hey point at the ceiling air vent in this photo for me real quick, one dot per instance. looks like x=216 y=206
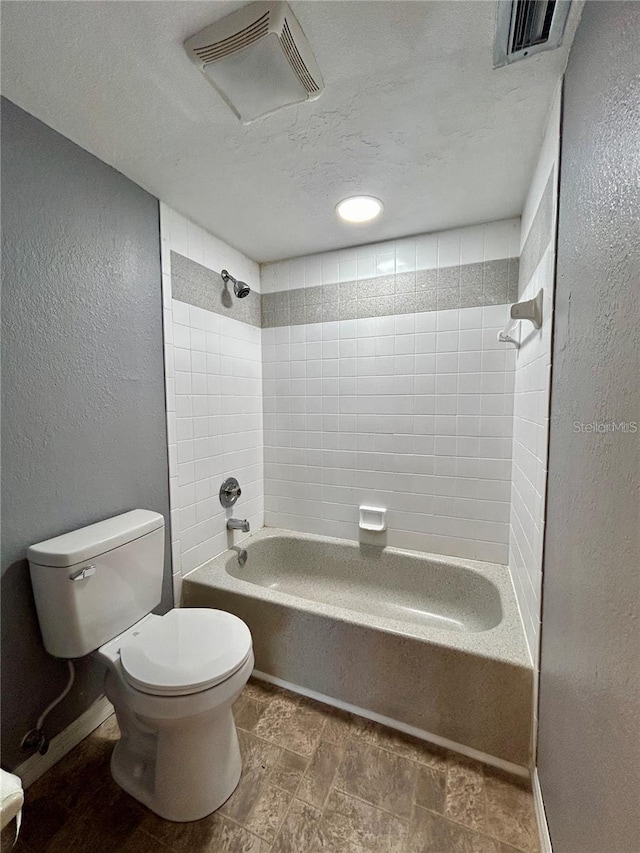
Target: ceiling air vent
x=526 y=27
x=258 y=59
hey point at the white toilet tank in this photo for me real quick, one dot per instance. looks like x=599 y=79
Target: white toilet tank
x=93 y=583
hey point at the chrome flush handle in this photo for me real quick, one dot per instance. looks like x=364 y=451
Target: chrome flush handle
x=83 y=573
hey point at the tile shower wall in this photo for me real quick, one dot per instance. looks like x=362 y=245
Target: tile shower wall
x=214 y=390
x=532 y=387
x=384 y=384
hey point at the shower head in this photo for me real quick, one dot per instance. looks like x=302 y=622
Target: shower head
x=240 y=288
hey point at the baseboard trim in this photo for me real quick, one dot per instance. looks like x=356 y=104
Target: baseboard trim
x=541 y=815
x=469 y=751
x=36 y=765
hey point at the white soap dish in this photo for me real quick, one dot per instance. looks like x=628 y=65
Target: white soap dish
x=373 y=518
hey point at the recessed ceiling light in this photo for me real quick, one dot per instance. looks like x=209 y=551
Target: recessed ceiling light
x=359 y=208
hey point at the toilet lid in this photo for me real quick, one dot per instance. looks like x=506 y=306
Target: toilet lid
x=186 y=651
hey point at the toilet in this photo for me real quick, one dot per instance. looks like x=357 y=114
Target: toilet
x=172 y=679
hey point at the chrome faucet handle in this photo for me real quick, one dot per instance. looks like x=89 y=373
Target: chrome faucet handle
x=230 y=491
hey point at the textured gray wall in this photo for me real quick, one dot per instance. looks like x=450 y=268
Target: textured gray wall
x=83 y=425
x=589 y=740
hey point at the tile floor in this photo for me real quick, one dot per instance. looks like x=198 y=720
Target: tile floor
x=315 y=780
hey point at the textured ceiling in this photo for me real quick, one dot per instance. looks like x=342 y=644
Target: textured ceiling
x=412 y=113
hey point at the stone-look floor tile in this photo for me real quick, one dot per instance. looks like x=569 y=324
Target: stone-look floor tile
x=268 y=812
x=365 y=799
x=379 y=777
x=288 y=771
x=465 y=798
x=84 y=770
x=106 y=824
x=273 y=722
x=430 y=789
x=258 y=759
x=195 y=836
x=333 y=836
x=295 y=728
x=318 y=778
x=42 y=819
x=247 y=711
x=432 y=833
x=339 y=726
x=107 y=733
x=355 y=822
x=510 y=814
x=8 y=837
x=263 y=691
x=231 y=838
x=298 y=829
x=212 y=834
x=142 y=842
x=400 y=743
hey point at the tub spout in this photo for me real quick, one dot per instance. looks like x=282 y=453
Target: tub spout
x=238 y=524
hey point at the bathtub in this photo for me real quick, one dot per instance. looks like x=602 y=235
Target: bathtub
x=429 y=644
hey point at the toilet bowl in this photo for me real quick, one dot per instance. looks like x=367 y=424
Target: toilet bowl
x=172 y=680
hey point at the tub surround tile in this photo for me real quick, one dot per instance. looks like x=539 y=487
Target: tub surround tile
x=532 y=387
x=486 y=283
x=213 y=361
x=194 y=284
x=269 y=817
x=540 y=233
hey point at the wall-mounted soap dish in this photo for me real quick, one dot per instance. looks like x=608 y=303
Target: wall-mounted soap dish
x=373 y=518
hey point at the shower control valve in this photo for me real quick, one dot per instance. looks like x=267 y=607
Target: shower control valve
x=230 y=491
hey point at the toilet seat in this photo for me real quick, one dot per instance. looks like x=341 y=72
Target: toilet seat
x=186 y=651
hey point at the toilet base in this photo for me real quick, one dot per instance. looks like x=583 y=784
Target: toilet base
x=181 y=767
x=188 y=783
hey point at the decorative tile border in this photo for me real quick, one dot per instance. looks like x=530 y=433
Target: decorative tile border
x=539 y=236
x=198 y=285
x=467 y=286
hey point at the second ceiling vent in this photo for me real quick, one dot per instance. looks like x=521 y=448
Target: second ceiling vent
x=526 y=27
x=258 y=59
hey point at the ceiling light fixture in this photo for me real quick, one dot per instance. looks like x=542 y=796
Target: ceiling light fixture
x=359 y=208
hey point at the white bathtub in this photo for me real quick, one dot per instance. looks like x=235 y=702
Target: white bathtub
x=431 y=643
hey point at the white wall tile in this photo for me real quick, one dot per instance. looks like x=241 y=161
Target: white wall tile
x=376 y=408
x=214 y=403
x=531 y=390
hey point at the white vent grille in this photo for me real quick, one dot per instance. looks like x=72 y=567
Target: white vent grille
x=257 y=59
x=526 y=27
x=297 y=63
x=219 y=49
